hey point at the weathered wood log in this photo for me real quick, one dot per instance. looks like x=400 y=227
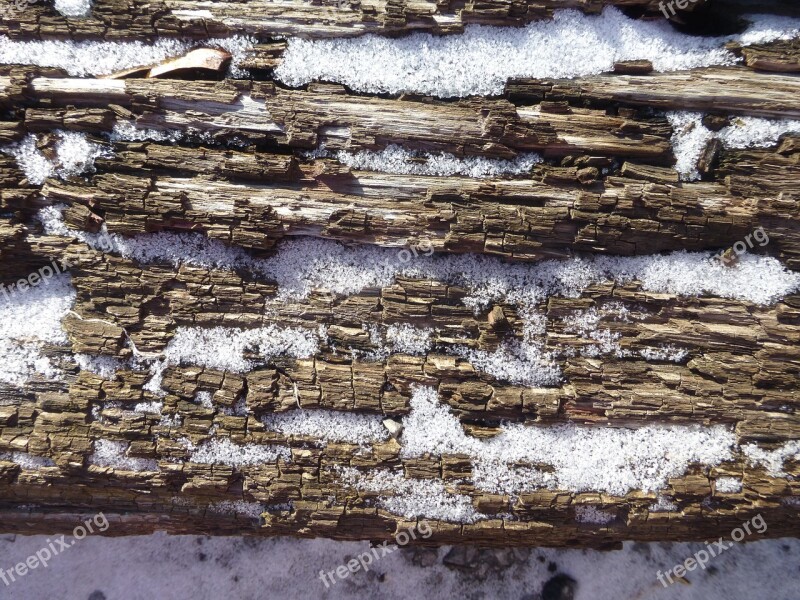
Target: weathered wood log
x=259 y=330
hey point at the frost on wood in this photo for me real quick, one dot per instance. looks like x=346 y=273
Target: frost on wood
x=30 y=320
x=690 y=137
x=74 y=8
x=224 y=348
x=328 y=426
x=103 y=58
x=223 y=451
x=303 y=265
x=599 y=459
x=413 y=498
x=773 y=460
x=114 y=454
x=482 y=59
x=74 y=155
x=729 y=485
x=396 y=159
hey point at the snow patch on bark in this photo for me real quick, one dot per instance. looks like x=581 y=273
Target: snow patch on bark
x=690 y=137
x=74 y=8
x=483 y=58
x=28 y=322
x=328 y=425
x=86 y=58
x=396 y=159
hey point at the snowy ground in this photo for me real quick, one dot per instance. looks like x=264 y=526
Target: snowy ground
x=166 y=567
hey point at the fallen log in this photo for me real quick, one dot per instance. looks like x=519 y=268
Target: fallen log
x=564 y=315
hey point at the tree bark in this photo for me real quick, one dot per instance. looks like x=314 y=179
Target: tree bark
x=242 y=175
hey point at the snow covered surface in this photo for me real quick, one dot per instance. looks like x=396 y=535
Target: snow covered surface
x=483 y=58
x=74 y=155
x=772 y=460
x=224 y=451
x=302 y=265
x=202 y=568
x=74 y=8
x=412 y=497
x=729 y=485
x=606 y=459
x=102 y=58
x=328 y=425
x=28 y=321
x=108 y=453
x=398 y=160
x=224 y=348
x=690 y=137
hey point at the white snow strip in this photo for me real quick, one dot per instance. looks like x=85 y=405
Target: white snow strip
x=398 y=160
x=772 y=460
x=74 y=155
x=601 y=459
x=30 y=320
x=482 y=59
x=87 y=58
x=328 y=425
x=222 y=451
x=729 y=485
x=127 y=131
x=592 y=514
x=302 y=265
x=224 y=348
x=238 y=507
x=108 y=453
x=409 y=339
x=690 y=137
x=663 y=504
x=104 y=366
x=413 y=498
x=74 y=8
x=27 y=461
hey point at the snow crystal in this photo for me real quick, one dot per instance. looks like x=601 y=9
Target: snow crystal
x=413 y=498
x=222 y=451
x=690 y=137
x=74 y=155
x=772 y=460
x=515 y=362
x=328 y=425
x=396 y=159
x=204 y=399
x=667 y=352
x=592 y=514
x=104 y=366
x=74 y=8
x=238 y=507
x=602 y=459
x=108 y=453
x=483 y=58
x=27 y=461
x=663 y=504
x=28 y=321
x=302 y=265
x=408 y=339
x=729 y=485
x=224 y=348
x=127 y=131
x=103 y=58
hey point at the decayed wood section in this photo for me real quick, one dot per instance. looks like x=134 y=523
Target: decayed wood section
x=242 y=175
